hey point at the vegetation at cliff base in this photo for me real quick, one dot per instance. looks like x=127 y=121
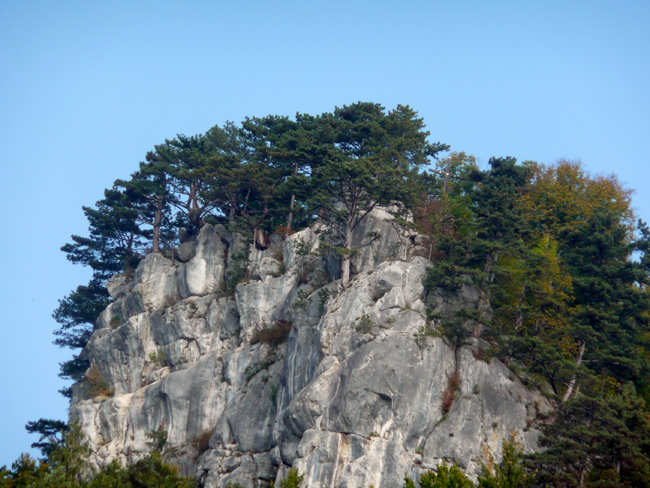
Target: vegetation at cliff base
x=66 y=465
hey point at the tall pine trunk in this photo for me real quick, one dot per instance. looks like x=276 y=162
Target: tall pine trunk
x=572 y=382
x=231 y=217
x=292 y=203
x=157 y=222
x=290 y=218
x=345 y=262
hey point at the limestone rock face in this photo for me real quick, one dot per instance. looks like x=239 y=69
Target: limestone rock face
x=291 y=369
x=204 y=272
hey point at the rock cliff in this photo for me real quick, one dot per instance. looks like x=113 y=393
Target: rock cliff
x=286 y=368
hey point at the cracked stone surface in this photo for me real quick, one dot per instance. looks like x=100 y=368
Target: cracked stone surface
x=351 y=398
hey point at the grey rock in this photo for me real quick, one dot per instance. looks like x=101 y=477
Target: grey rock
x=204 y=273
x=386 y=241
x=268 y=266
x=155 y=282
x=351 y=397
x=117 y=285
x=185 y=251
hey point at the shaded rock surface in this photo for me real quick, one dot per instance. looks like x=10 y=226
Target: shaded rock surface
x=292 y=369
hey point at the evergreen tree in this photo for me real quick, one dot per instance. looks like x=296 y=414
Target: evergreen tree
x=183 y=161
x=25 y=472
x=226 y=175
x=372 y=159
x=599 y=439
x=115 y=242
x=442 y=477
x=608 y=308
x=51 y=434
x=149 y=472
x=286 y=146
x=115 y=239
x=509 y=473
x=149 y=194
x=293 y=480
x=77 y=313
x=493 y=236
x=445 y=213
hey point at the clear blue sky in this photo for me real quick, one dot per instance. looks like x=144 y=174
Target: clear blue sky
x=87 y=88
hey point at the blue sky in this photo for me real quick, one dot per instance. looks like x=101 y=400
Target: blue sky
x=87 y=88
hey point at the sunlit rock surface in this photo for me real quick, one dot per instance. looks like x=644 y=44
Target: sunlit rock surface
x=353 y=397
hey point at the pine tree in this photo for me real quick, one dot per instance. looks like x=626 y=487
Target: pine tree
x=115 y=239
x=115 y=243
x=285 y=145
x=371 y=159
x=77 y=312
x=509 y=473
x=149 y=194
x=51 y=434
x=599 y=437
x=443 y=476
x=178 y=167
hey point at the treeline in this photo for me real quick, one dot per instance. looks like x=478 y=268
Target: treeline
x=66 y=465
x=562 y=274
x=266 y=174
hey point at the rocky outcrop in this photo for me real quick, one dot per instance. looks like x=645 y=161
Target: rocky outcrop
x=287 y=368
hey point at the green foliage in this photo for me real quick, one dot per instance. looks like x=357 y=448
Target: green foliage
x=149 y=472
x=369 y=158
x=97 y=384
x=365 y=324
x=157 y=439
x=602 y=435
x=74 y=368
x=69 y=460
x=509 y=473
x=115 y=243
x=293 y=480
x=183 y=162
x=302 y=248
x=115 y=322
x=254 y=178
x=77 y=312
x=442 y=477
x=423 y=332
x=302 y=300
x=51 y=434
x=25 y=472
x=66 y=465
x=160 y=358
x=323 y=295
x=549 y=253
